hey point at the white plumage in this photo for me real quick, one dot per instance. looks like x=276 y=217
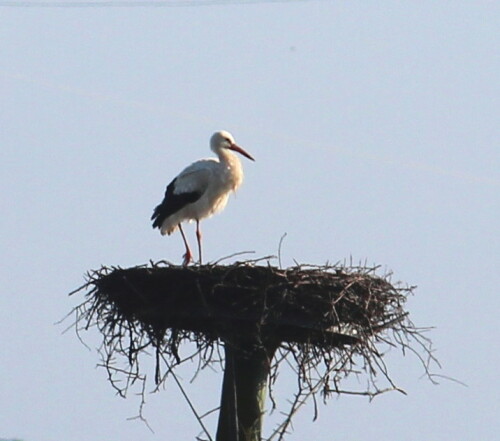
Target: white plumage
x=201 y=189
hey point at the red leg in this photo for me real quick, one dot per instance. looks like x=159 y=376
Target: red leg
x=188 y=256
x=198 y=236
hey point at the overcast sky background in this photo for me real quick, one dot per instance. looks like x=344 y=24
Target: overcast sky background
x=375 y=128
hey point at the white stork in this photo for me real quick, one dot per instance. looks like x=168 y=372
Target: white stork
x=201 y=189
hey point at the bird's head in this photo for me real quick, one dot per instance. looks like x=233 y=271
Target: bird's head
x=224 y=140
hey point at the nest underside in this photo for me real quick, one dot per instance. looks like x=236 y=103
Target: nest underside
x=331 y=307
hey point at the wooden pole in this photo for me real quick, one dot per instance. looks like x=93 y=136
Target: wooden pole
x=246 y=372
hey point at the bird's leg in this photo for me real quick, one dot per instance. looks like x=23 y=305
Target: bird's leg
x=188 y=256
x=198 y=236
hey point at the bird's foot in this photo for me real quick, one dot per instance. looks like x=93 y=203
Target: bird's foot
x=188 y=257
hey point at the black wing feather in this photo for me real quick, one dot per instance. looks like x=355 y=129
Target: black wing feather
x=172 y=203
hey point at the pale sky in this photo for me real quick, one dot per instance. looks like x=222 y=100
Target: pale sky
x=375 y=128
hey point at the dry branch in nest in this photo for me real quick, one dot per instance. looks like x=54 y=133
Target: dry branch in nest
x=326 y=322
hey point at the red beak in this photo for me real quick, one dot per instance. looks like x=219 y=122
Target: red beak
x=238 y=149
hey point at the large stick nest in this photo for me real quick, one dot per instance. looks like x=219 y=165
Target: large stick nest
x=295 y=305
x=327 y=321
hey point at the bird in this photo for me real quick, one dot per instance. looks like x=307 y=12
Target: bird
x=201 y=190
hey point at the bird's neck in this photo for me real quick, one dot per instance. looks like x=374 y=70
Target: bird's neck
x=228 y=158
x=232 y=167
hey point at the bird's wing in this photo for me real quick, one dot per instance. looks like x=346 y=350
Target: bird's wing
x=194 y=178
x=186 y=188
